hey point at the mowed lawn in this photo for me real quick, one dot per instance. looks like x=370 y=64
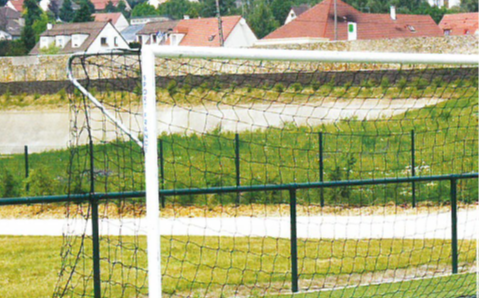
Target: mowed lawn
x=255 y=267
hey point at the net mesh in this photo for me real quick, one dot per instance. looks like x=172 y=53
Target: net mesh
x=247 y=123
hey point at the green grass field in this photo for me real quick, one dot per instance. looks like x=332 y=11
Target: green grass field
x=29 y=266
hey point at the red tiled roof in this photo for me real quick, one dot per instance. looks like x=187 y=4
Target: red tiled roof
x=318 y=22
x=17 y=4
x=101 y=4
x=460 y=23
x=204 y=32
x=107 y=17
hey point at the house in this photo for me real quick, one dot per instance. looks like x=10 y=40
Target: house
x=318 y=25
x=205 y=33
x=460 y=24
x=296 y=11
x=16 y=5
x=100 y=5
x=447 y=3
x=116 y=18
x=45 y=4
x=89 y=37
x=11 y=23
x=156 y=32
x=130 y=33
x=148 y=19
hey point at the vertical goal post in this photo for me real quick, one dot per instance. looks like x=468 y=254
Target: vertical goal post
x=149 y=143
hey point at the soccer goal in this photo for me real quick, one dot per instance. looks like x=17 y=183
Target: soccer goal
x=271 y=173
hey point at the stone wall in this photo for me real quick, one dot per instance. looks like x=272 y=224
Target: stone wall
x=17 y=73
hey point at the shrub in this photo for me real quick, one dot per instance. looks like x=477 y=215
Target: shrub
x=385 y=83
x=63 y=94
x=279 y=88
x=172 y=87
x=10 y=185
x=41 y=184
x=297 y=87
x=437 y=82
x=8 y=95
x=36 y=96
x=420 y=83
x=347 y=85
x=316 y=85
x=187 y=89
x=402 y=83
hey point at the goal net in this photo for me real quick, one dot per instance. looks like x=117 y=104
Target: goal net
x=271 y=173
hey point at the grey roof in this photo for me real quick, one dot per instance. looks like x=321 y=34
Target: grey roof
x=92 y=29
x=299 y=10
x=11 y=21
x=129 y=33
x=155 y=27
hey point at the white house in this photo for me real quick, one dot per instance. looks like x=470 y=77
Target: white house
x=116 y=18
x=156 y=32
x=205 y=33
x=90 y=37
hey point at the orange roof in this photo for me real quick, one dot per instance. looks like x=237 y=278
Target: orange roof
x=101 y=4
x=204 y=32
x=17 y=4
x=318 y=22
x=460 y=23
x=112 y=17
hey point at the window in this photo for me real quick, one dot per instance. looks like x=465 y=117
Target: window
x=447 y=32
x=466 y=32
x=154 y=39
x=115 y=41
x=411 y=28
x=103 y=42
x=76 y=41
x=59 y=41
x=212 y=37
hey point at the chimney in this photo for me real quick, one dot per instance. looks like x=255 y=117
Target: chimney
x=186 y=17
x=49 y=26
x=393 y=13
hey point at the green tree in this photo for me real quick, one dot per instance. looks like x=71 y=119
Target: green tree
x=110 y=7
x=227 y=8
x=144 y=9
x=84 y=14
x=262 y=21
x=40 y=25
x=121 y=7
x=280 y=9
x=10 y=186
x=54 y=8
x=177 y=8
x=469 y=5
x=32 y=12
x=66 y=13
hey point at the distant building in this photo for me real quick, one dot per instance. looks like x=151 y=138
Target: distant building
x=447 y=3
x=296 y=11
x=460 y=24
x=100 y=5
x=156 y=32
x=116 y=18
x=89 y=37
x=205 y=33
x=148 y=19
x=44 y=4
x=11 y=23
x=16 y=5
x=317 y=25
x=130 y=33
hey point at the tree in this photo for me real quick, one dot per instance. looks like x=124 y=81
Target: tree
x=54 y=8
x=110 y=7
x=66 y=11
x=227 y=7
x=280 y=9
x=175 y=8
x=84 y=14
x=32 y=13
x=262 y=20
x=469 y=5
x=40 y=25
x=144 y=9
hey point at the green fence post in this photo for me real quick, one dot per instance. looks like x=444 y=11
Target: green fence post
x=237 y=165
x=26 y=167
x=95 y=228
x=454 y=253
x=162 y=171
x=413 y=168
x=321 y=167
x=294 y=241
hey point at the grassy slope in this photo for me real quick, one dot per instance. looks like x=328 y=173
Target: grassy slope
x=29 y=266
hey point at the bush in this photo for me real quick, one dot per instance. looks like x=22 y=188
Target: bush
x=36 y=96
x=385 y=83
x=187 y=89
x=10 y=185
x=420 y=83
x=437 y=82
x=41 y=184
x=402 y=83
x=172 y=87
x=297 y=87
x=63 y=94
x=279 y=88
x=316 y=85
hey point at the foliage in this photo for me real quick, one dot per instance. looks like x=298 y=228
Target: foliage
x=84 y=14
x=227 y=7
x=54 y=8
x=32 y=12
x=52 y=49
x=12 y=48
x=40 y=25
x=469 y=5
x=10 y=185
x=280 y=9
x=144 y=9
x=66 y=13
x=110 y=7
x=179 y=8
x=41 y=183
x=28 y=37
x=262 y=21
